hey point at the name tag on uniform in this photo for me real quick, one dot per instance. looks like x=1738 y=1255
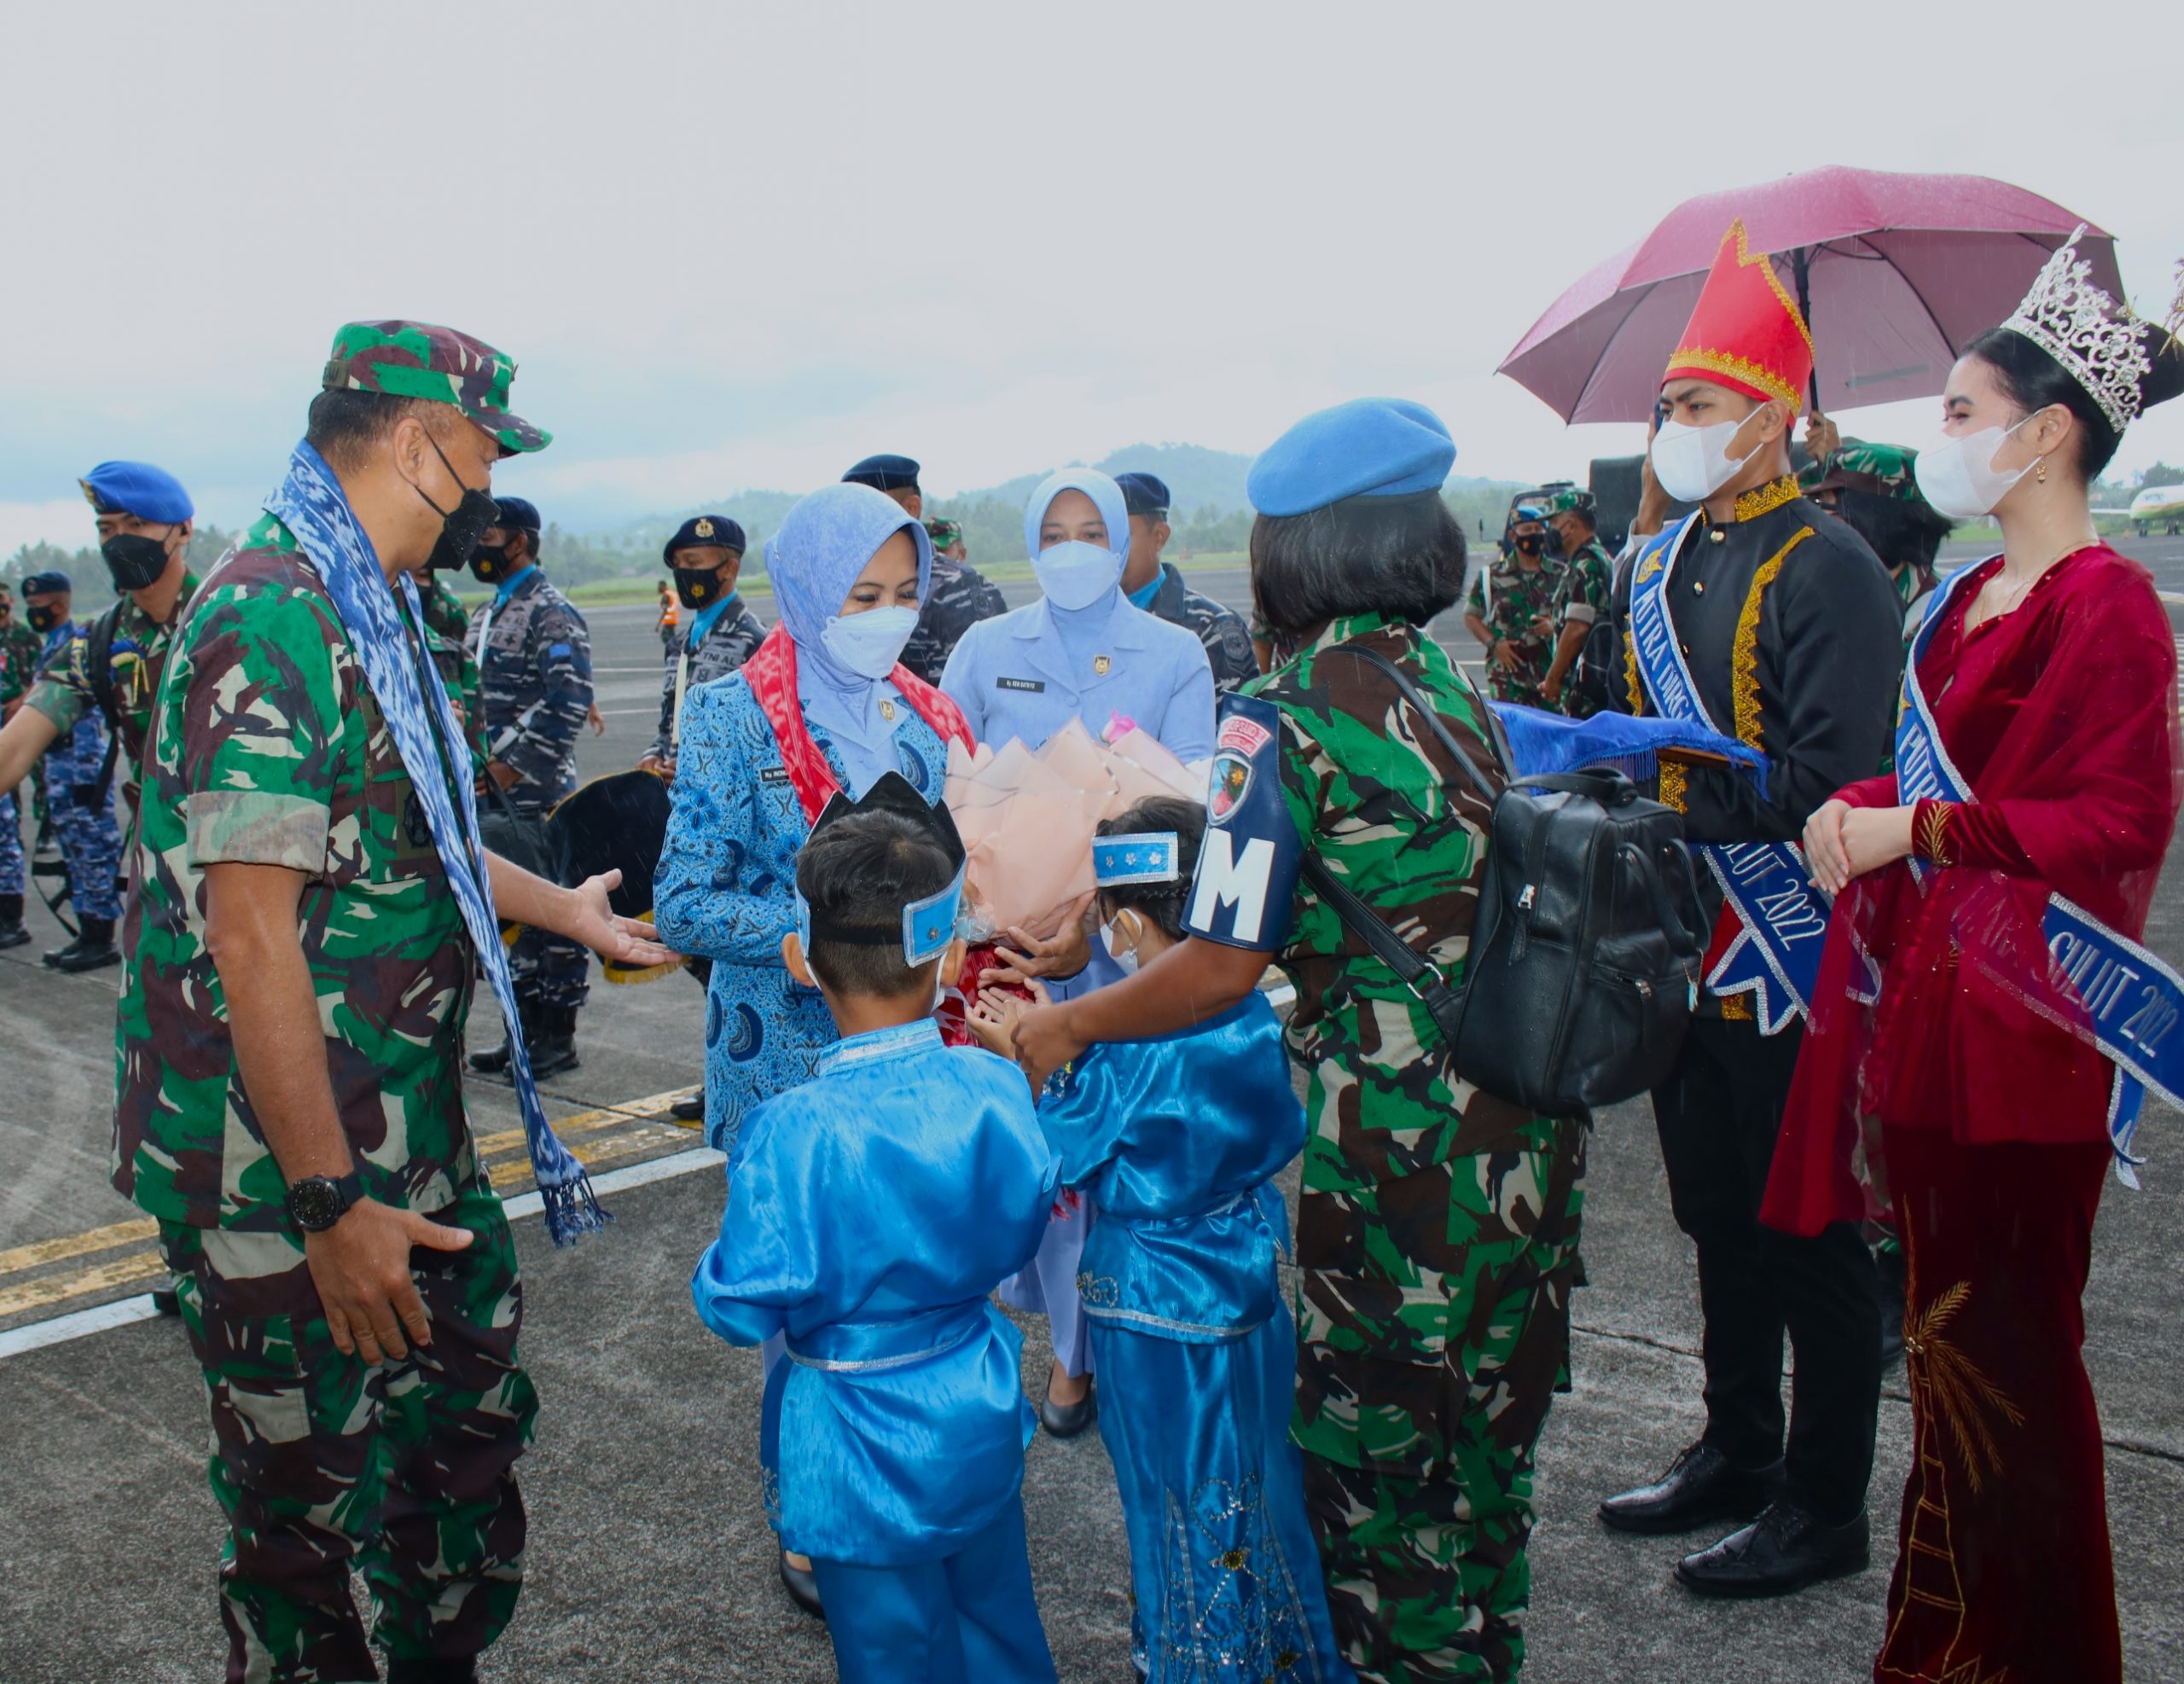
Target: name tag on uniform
x=774 y=775
x=1032 y=686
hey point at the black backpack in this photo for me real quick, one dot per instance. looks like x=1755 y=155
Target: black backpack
x=1583 y=965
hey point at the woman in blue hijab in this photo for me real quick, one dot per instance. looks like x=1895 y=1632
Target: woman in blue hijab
x=824 y=705
x=1083 y=650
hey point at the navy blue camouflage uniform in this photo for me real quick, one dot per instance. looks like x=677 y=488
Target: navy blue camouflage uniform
x=90 y=839
x=1228 y=640
x=958 y=598
x=534 y=668
x=728 y=641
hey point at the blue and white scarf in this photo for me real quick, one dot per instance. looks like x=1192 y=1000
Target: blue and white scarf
x=1775 y=957
x=310 y=503
x=2132 y=1002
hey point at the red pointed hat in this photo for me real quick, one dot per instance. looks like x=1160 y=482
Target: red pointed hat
x=1746 y=334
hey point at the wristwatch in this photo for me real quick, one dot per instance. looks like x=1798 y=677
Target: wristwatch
x=317 y=1202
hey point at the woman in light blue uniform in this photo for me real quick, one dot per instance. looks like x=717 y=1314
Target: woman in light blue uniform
x=1180 y=1139
x=1083 y=651
x=820 y=705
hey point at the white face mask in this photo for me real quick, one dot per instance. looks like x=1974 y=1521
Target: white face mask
x=1958 y=476
x=1076 y=574
x=870 y=643
x=1122 y=948
x=1693 y=462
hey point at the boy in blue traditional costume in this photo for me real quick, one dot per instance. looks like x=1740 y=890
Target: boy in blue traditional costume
x=1179 y=1139
x=893 y=1438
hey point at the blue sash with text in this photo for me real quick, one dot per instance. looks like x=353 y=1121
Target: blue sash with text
x=1775 y=957
x=2132 y=1002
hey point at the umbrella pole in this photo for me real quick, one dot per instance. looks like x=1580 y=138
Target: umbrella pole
x=1801 y=266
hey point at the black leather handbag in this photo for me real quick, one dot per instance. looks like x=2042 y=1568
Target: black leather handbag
x=1582 y=970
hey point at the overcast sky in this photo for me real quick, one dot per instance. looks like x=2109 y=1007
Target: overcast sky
x=734 y=246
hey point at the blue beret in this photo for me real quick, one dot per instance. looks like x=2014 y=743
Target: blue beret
x=1370 y=447
x=518 y=513
x=49 y=585
x=883 y=473
x=1144 y=493
x=137 y=488
x=1526 y=511
x=701 y=530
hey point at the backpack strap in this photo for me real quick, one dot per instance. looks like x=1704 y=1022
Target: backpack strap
x=98 y=673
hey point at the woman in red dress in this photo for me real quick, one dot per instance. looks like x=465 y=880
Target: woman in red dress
x=1970 y=1087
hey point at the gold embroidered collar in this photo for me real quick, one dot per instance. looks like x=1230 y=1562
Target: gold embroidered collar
x=1754 y=503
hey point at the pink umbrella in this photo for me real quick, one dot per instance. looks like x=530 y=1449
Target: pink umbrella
x=1895 y=272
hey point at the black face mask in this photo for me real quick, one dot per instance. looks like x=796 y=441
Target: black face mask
x=42 y=616
x=462 y=526
x=695 y=587
x=1530 y=543
x=489 y=565
x=134 y=560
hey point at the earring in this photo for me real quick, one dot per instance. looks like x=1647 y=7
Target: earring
x=2039 y=471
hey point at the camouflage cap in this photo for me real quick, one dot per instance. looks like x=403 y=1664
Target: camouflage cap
x=1879 y=470
x=415 y=359
x=944 y=532
x=1574 y=501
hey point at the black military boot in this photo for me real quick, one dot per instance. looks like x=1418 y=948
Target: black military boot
x=90 y=951
x=494 y=1061
x=554 y=1048
x=11 y=932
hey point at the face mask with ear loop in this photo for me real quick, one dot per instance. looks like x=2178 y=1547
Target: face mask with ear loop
x=1693 y=462
x=1958 y=475
x=462 y=526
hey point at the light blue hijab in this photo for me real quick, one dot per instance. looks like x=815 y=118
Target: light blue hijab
x=812 y=562
x=1080 y=628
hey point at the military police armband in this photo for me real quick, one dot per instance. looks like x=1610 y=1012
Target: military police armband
x=1245 y=884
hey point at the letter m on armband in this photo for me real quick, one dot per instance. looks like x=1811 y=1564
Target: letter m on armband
x=1245 y=884
x=1229 y=892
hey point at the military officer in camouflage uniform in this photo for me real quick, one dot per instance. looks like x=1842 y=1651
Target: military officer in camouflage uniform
x=1437 y=1237
x=1588 y=598
x=715 y=633
x=1874 y=490
x=18 y=665
x=1514 y=606
x=1157 y=587
x=534 y=665
x=958 y=595
x=78 y=791
x=289 y=1105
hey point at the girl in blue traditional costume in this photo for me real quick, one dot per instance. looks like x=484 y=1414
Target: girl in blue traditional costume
x=1085 y=651
x=1180 y=1139
x=897 y=1427
x=823 y=707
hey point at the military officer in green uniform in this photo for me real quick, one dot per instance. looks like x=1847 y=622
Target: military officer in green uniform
x=1514 y=605
x=1588 y=598
x=1872 y=490
x=1437 y=1237
x=289 y=1104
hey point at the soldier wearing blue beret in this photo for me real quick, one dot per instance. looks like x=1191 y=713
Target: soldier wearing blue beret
x=1157 y=586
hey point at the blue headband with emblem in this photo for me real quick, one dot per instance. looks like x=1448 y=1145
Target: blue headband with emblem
x=1142 y=857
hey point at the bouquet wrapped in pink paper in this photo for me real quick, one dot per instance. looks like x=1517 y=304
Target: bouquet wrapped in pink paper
x=1026 y=819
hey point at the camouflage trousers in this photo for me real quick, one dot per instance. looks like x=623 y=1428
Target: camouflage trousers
x=318 y=1460
x=548 y=971
x=1424 y=1512
x=11 y=877
x=91 y=840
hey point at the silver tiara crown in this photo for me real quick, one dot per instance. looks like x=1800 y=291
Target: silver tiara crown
x=2100 y=346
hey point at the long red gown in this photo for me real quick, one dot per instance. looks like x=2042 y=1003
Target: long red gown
x=1979 y=1103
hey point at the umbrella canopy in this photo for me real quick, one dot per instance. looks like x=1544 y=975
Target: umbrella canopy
x=1896 y=272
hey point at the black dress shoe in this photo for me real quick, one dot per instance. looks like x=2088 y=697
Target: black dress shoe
x=1783 y=1551
x=692 y=1110
x=1066 y=1420
x=803 y=1588
x=1700 y=1489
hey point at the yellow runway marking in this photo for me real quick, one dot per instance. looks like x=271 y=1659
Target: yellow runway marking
x=503 y=1149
